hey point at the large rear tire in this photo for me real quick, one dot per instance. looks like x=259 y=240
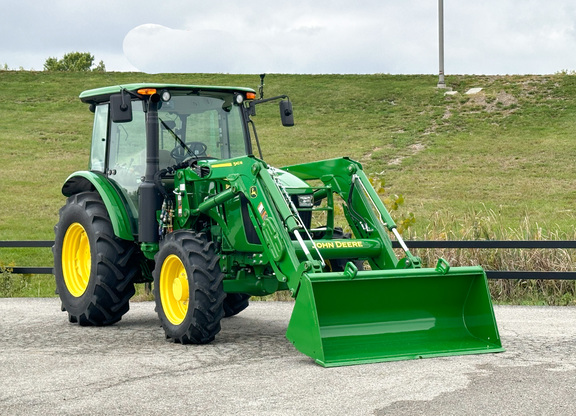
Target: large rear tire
x=94 y=269
x=188 y=288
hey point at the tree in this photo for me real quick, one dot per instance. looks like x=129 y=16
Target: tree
x=100 y=67
x=73 y=62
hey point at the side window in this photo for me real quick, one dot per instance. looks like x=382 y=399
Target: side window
x=99 y=135
x=127 y=152
x=236 y=132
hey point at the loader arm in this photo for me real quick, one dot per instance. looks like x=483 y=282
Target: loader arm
x=287 y=244
x=365 y=212
x=268 y=210
x=274 y=221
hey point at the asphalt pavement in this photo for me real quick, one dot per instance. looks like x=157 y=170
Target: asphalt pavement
x=49 y=366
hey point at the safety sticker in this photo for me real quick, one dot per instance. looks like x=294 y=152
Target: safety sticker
x=262 y=211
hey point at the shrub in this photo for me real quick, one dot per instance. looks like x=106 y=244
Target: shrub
x=74 y=62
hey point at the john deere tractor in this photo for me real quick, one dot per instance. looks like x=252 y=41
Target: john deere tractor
x=174 y=196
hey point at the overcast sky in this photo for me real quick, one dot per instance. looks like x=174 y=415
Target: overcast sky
x=297 y=36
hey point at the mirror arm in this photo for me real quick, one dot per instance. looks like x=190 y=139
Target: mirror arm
x=252 y=105
x=265 y=100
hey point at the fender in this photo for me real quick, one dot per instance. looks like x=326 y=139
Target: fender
x=122 y=220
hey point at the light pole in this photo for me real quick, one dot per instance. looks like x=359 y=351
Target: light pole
x=441 y=83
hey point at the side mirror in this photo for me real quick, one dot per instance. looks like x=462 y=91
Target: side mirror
x=286 y=113
x=120 y=108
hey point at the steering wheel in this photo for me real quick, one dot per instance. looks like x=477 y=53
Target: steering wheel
x=197 y=149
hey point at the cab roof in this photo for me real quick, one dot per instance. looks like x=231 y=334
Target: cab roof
x=99 y=95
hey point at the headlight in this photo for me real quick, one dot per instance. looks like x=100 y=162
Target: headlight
x=306 y=201
x=166 y=96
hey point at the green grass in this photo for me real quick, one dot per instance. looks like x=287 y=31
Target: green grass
x=509 y=150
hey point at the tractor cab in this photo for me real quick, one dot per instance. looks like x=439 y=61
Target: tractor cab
x=192 y=123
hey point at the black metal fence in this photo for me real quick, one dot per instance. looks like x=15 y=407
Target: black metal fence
x=503 y=244
x=28 y=244
x=485 y=244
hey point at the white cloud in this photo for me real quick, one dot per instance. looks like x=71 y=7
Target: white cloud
x=155 y=48
x=510 y=37
x=319 y=40
x=337 y=36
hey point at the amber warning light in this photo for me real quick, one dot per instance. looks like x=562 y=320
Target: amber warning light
x=147 y=91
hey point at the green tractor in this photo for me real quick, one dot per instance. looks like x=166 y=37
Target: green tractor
x=174 y=196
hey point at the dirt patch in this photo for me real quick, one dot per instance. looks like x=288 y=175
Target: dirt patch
x=413 y=149
x=502 y=102
x=368 y=155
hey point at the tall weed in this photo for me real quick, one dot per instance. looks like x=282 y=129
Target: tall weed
x=486 y=224
x=12 y=285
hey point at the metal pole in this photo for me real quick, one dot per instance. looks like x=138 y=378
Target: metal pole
x=441 y=83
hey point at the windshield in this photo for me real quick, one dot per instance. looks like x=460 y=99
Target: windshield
x=201 y=126
x=189 y=126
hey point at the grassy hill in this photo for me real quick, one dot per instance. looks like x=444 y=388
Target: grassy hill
x=497 y=164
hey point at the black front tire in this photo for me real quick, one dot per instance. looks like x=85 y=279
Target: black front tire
x=94 y=269
x=188 y=288
x=235 y=303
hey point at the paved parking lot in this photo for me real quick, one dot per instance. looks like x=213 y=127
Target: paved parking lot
x=49 y=367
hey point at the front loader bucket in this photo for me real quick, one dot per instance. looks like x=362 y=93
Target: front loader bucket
x=390 y=315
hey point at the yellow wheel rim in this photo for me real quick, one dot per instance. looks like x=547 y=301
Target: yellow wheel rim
x=76 y=259
x=174 y=293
